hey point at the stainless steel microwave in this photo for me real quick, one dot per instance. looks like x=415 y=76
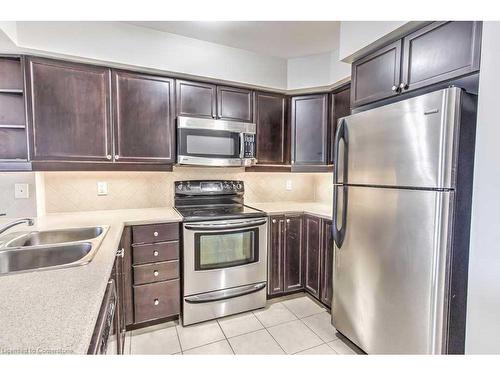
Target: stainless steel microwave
x=216 y=143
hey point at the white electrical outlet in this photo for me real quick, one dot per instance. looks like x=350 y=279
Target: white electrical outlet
x=288 y=185
x=21 y=191
x=102 y=188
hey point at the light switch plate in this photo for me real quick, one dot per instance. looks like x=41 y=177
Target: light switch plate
x=288 y=185
x=102 y=188
x=21 y=191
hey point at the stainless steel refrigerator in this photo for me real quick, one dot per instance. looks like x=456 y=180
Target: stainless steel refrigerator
x=402 y=202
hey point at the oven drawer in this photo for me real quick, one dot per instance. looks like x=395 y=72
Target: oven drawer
x=151 y=273
x=157 y=252
x=155 y=233
x=155 y=301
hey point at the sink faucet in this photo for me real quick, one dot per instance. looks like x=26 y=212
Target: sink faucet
x=28 y=221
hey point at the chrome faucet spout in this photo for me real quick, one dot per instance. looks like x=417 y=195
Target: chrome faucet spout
x=7 y=226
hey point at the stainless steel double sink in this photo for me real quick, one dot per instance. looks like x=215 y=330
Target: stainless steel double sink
x=51 y=249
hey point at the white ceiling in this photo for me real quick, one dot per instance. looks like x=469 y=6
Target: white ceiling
x=284 y=39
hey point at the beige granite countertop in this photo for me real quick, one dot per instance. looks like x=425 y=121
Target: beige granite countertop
x=314 y=208
x=55 y=311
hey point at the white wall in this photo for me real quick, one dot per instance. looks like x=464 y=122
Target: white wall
x=123 y=43
x=483 y=308
x=357 y=35
x=316 y=70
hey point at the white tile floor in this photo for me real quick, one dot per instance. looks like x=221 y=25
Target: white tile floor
x=293 y=325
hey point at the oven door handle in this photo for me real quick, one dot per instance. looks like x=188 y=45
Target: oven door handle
x=225 y=294
x=225 y=225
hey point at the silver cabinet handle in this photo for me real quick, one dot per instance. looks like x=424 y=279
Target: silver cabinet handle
x=155 y=234
x=117 y=157
x=287 y=220
x=403 y=86
x=156 y=302
x=155 y=253
x=395 y=88
x=155 y=273
x=108 y=157
x=274 y=221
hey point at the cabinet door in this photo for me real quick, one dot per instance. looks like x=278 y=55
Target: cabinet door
x=312 y=246
x=326 y=263
x=234 y=104
x=439 y=52
x=310 y=131
x=272 y=134
x=144 y=118
x=69 y=110
x=293 y=254
x=275 y=258
x=340 y=107
x=377 y=75
x=195 y=99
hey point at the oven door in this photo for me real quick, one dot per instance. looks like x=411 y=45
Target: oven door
x=224 y=254
x=211 y=142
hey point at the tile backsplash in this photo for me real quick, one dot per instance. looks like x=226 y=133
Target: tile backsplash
x=77 y=191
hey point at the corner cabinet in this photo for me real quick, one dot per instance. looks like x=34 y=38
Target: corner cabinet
x=69 y=111
x=285 y=264
x=300 y=256
x=310 y=130
x=205 y=100
x=438 y=52
x=270 y=115
x=143 y=120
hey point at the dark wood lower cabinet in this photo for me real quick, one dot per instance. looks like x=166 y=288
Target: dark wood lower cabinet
x=300 y=256
x=293 y=254
x=312 y=242
x=151 y=273
x=326 y=273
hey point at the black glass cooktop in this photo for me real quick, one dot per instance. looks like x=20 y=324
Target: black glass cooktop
x=218 y=212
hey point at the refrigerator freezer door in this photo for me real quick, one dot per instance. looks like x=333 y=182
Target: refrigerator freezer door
x=409 y=143
x=389 y=272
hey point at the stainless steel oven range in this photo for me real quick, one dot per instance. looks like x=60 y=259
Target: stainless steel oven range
x=224 y=248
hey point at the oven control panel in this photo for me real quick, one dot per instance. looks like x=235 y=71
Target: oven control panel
x=209 y=187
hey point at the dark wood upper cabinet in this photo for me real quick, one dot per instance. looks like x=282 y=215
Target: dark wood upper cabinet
x=312 y=244
x=340 y=107
x=293 y=254
x=437 y=53
x=272 y=134
x=196 y=99
x=13 y=140
x=326 y=274
x=69 y=111
x=310 y=130
x=234 y=104
x=275 y=256
x=377 y=75
x=440 y=51
x=143 y=118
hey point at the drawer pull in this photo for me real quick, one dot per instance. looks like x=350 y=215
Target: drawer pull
x=156 y=273
x=155 y=234
x=157 y=302
x=155 y=253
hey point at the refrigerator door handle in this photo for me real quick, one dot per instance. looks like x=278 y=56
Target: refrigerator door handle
x=339 y=234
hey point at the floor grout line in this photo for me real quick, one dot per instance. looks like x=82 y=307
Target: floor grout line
x=224 y=333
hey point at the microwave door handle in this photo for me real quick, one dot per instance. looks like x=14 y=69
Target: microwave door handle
x=242 y=145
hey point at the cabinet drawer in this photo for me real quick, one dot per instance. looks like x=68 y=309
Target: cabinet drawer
x=155 y=301
x=151 y=273
x=155 y=233
x=157 y=252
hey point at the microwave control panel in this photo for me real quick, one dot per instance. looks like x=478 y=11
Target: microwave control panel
x=249 y=145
